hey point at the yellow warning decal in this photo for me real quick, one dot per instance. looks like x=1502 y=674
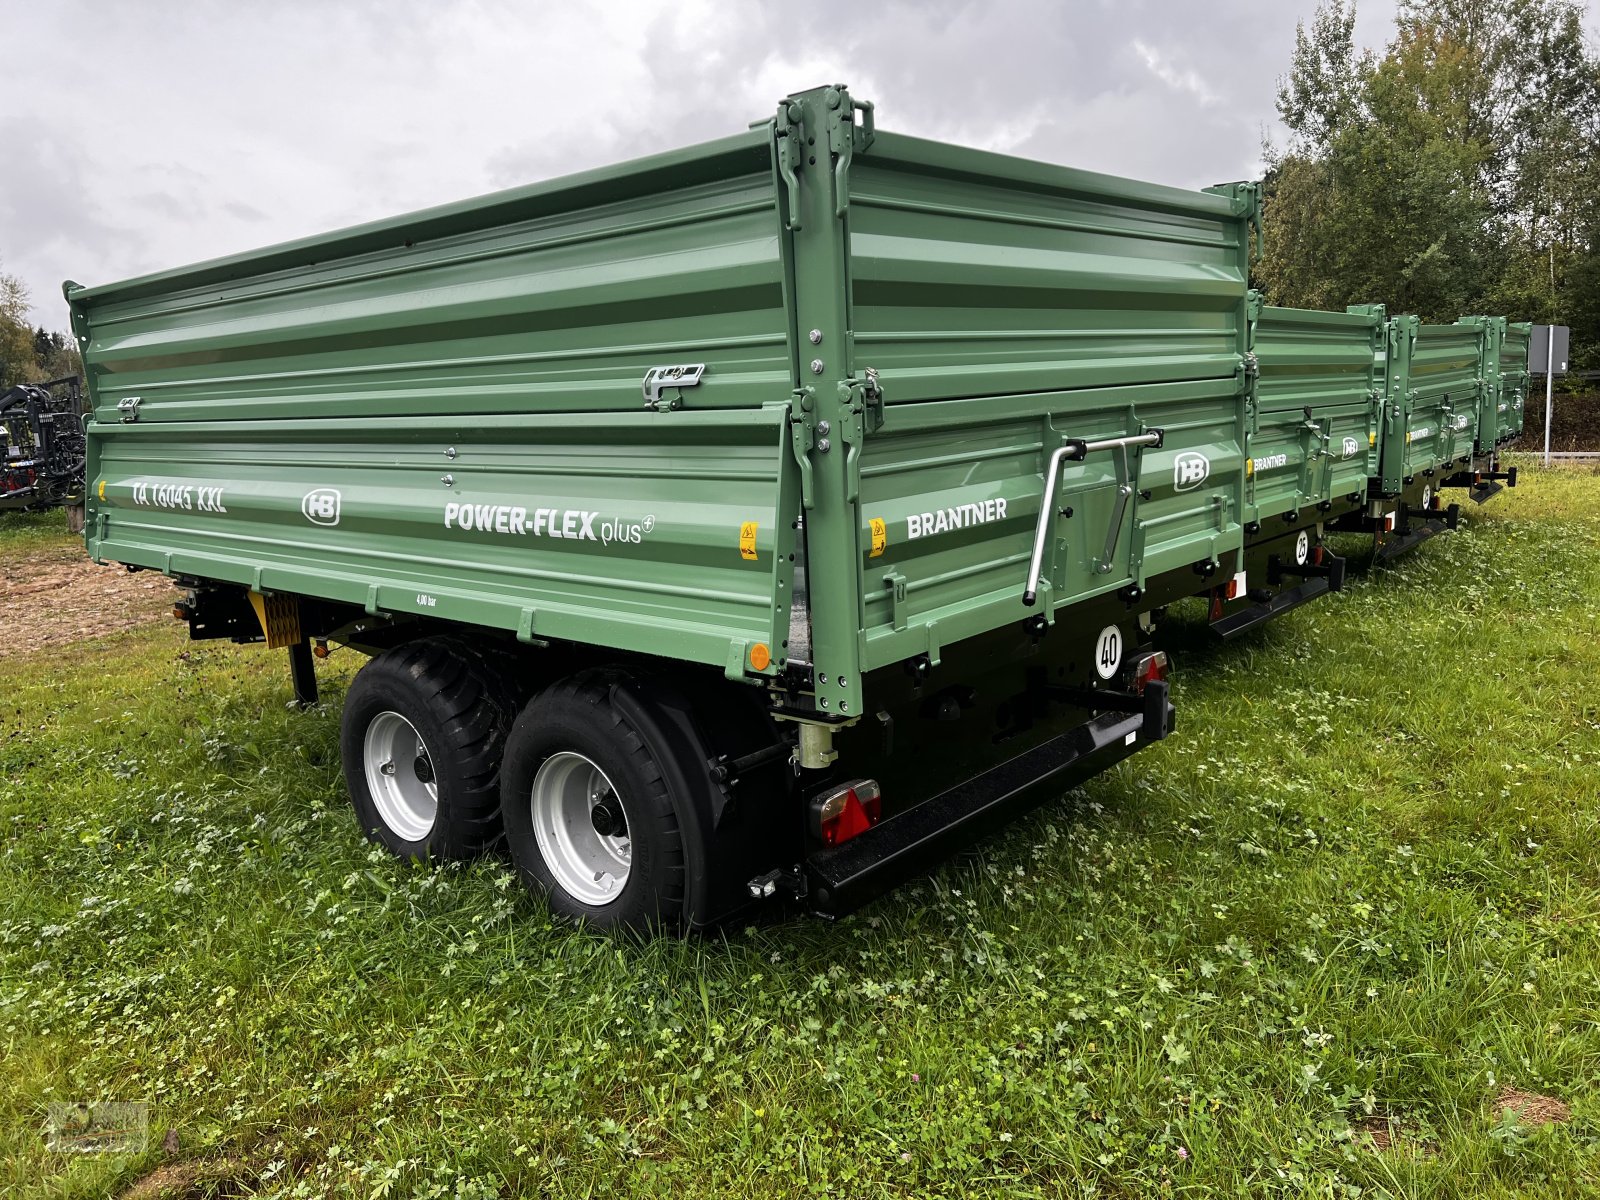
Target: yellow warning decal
x=1372 y=439
x=102 y=489
x=1249 y=467
x=747 y=540
x=880 y=536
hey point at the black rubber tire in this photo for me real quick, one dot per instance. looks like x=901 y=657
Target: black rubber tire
x=578 y=714
x=463 y=707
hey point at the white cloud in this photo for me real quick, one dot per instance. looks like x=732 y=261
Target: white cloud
x=1184 y=79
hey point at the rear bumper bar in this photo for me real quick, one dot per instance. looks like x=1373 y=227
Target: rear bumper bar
x=1482 y=485
x=1236 y=623
x=1417 y=526
x=1316 y=580
x=847 y=876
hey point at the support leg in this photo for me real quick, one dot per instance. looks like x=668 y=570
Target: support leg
x=303 y=673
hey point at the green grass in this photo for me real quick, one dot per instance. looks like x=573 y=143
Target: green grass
x=1361 y=878
x=24 y=533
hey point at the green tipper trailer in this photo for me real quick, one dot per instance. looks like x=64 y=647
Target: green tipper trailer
x=1448 y=398
x=1503 y=373
x=1311 y=416
x=1426 y=431
x=757 y=519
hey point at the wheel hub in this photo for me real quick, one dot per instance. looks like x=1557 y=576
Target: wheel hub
x=581 y=828
x=400 y=776
x=607 y=817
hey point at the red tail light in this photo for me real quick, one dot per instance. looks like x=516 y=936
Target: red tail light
x=846 y=811
x=1148 y=668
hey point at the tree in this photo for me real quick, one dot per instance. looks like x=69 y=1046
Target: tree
x=30 y=354
x=1459 y=172
x=1322 y=93
x=56 y=354
x=17 y=362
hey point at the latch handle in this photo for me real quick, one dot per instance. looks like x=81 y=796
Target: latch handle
x=659 y=379
x=788 y=129
x=1075 y=450
x=869 y=128
x=841 y=167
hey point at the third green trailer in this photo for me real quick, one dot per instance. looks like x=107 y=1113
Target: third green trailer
x=1444 y=408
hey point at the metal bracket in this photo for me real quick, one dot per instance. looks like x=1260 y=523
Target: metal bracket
x=790 y=883
x=659 y=379
x=128 y=406
x=896 y=585
x=1118 y=510
x=1245 y=200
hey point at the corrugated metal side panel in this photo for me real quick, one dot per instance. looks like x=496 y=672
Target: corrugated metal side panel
x=1321 y=364
x=1444 y=385
x=1009 y=306
x=527 y=304
x=619 y=530
x=978 y=275
x=957 y=489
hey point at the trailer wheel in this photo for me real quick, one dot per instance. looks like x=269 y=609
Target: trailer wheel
x=422 y=736
x=589 y=819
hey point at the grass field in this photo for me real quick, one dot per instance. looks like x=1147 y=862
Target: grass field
x=1301 y=948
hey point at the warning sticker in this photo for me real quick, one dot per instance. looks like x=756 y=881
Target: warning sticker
x=747 y=540
x=880 y=536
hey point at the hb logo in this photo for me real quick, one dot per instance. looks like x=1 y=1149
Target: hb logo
x=1189 y=471
x=321 y=507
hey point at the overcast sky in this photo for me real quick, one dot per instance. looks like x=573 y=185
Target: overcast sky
x=136 y=136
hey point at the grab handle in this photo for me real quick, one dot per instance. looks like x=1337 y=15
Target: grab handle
x=1075 y=450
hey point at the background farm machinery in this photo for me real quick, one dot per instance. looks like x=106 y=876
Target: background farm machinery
x=42 y=447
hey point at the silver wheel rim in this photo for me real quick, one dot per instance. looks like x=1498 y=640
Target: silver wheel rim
x=590 y=865
x=400 y=776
